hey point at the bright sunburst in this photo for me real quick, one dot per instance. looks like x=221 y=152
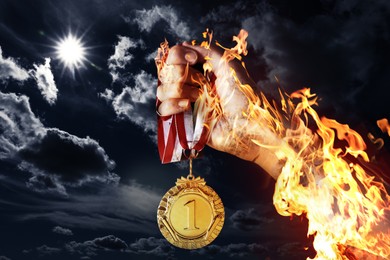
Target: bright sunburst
x=71 y=51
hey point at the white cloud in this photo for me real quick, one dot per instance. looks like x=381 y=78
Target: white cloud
x=18 y=124
x=144 y=88
x=41 y=73
x=147 y=19
x=45 y=81
x=107 y=95
x=121 y=56
x=151 y=56
x=10 y=69
x=134 y=103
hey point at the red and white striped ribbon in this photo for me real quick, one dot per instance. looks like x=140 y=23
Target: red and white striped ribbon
x=177 y=133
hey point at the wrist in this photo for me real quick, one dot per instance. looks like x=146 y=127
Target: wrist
x=250 y=141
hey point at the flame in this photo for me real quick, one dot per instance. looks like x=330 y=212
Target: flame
x=383 y=124
x=345 y=206
x=379 y=142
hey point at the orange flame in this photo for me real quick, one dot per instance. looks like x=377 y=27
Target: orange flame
x=346 y=207
x=383 y=124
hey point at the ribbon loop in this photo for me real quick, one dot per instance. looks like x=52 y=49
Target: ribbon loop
x=177 y=133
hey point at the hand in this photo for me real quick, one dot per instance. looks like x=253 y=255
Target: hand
x=179 y=87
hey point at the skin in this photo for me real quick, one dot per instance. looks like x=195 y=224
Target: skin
x=176 y=93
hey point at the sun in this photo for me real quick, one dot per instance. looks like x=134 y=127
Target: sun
x=71 y=51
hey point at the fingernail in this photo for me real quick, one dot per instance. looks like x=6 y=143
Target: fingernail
x=190 y=56
x=183 y=103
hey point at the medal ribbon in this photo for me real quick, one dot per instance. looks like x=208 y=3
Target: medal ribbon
x=177 y=133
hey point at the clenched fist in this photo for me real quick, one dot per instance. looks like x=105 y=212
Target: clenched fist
x=179 y=86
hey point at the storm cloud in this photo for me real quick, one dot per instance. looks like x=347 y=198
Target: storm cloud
x=54 y=157
x=152 y=246
x=119 y=212
x=91 y=247
x=238 y=250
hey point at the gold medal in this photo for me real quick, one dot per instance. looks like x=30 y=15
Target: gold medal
x=190 y=214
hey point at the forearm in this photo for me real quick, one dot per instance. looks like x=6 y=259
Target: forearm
x=253 y=141
x=249 y=127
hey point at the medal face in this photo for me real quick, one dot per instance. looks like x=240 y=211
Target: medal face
x=190 y=214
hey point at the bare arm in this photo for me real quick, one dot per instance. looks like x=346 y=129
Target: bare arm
x=233 y=133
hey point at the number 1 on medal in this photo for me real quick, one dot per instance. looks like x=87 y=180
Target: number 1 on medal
x=191 y=215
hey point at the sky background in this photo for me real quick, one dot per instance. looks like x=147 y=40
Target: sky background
x=80 y=176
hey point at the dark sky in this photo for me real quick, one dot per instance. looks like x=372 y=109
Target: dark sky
x=80 y=176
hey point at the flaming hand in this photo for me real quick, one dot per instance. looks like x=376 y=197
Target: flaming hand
x=182 y=83
x=345 y=206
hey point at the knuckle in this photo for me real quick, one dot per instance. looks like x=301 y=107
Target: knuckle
x=176 y=91
x=171 y=73
x=167 y=107
x=174 y=54
x=163 y=108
